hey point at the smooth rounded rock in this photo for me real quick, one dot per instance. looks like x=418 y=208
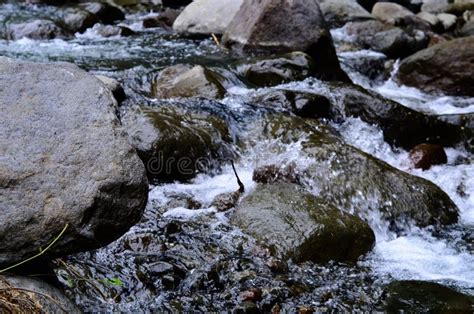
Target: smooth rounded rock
x=443 y=68
x=205 y=17
x=66 y=161
x=389 y=12
x=296 y=224
x=187 y=81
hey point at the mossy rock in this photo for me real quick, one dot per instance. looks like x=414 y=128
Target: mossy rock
x=177 y=144
x=296 y=224
x=353 y=180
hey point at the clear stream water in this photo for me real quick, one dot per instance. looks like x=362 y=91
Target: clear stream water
x=214 y=260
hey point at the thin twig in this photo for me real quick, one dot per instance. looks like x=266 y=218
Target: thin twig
x=216 y=40
x=40 y=253
x=241 y=185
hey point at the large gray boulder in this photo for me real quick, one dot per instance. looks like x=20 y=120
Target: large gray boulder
x=285 y=26
x=205 y=17
x=296 y=224
x=446 y=67
x=65 y=160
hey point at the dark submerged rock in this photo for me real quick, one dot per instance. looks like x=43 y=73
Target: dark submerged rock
x=258 y=27
x=65 y=160
x=425 y=156
x=402 y=126
x=297 y=224
x=443 y=68
x=175 y=3
x=421 y=296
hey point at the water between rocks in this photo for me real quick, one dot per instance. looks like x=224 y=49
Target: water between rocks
x=178 y=258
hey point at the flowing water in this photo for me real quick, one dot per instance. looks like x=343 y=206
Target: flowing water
x=193 y=259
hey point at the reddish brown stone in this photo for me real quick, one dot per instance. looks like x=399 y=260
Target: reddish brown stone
x=426 y=155
x=253 y=295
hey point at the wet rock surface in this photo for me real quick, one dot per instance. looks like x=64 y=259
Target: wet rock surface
x=341 y=174
x=446 y=67
x=325 y=140
x=293 y=223
x=175 y=144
